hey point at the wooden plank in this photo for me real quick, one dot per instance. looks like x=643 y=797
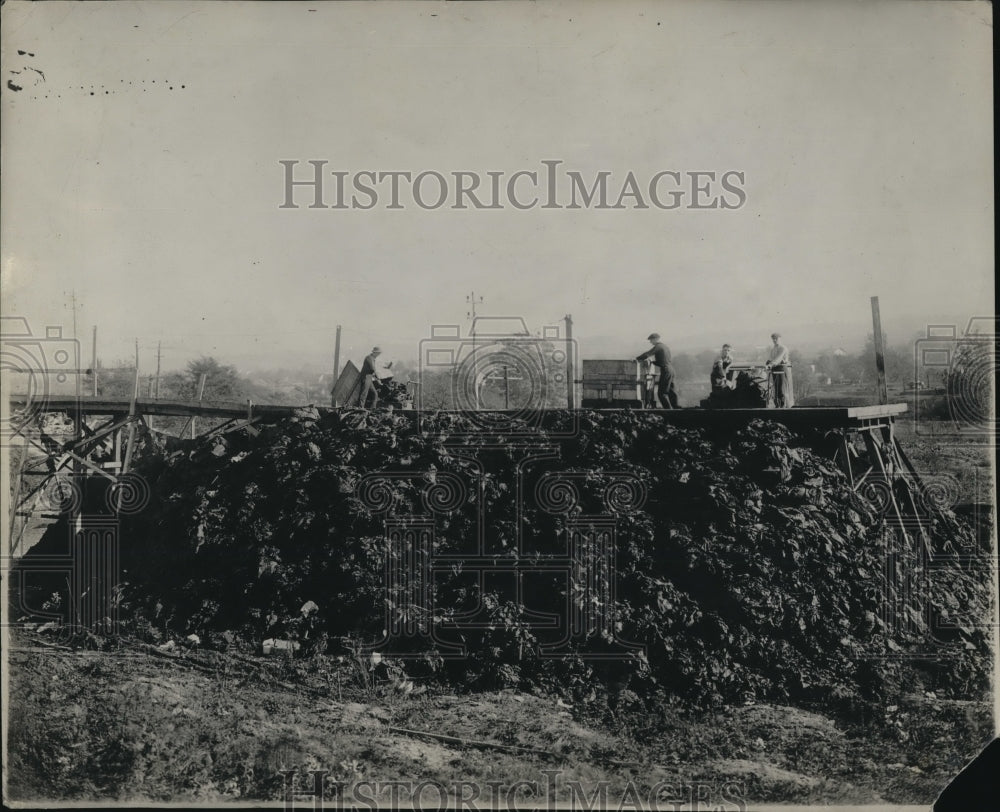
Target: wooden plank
x=347 y=390
x=831 y=416
x=882 y=410
x=845 y=450
x=627 y=370
x=166 y=408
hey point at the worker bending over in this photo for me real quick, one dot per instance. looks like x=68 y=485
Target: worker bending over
x=368 y=373
x=666 y=392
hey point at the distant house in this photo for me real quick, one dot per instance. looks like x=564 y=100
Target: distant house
x=840 y=352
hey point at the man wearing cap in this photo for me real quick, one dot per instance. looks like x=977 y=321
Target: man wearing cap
x=368 y=374
x=665 y=390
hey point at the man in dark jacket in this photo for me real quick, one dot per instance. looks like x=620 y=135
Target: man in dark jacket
x=368 y=378
x=666 y=392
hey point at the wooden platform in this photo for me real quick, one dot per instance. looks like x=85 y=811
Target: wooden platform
x=832 y=416
x=824 y=416
x=104 y=447
x=149 y=406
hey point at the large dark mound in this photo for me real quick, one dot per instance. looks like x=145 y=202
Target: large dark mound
x=744 y=566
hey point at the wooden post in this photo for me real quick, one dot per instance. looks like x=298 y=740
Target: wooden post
x=570 y=365
x=883 y=392
x=93 y=359
x=471 y=299
x=159 y=354
x=149 y=394
x=336 y=356
x=336 y=365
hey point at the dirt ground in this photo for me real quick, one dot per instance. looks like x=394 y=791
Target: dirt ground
x=187 y=725
x=958 y=460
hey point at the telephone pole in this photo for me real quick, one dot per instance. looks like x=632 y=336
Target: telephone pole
x=473 y=301
x=570 y=365
x=78 y=417
x=159 y=353
x=471 y=314
x=93 y=359
x=336 y=368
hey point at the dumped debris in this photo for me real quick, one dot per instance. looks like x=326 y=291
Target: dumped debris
x=746 y=568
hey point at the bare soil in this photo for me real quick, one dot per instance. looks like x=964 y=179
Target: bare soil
x=137 y=723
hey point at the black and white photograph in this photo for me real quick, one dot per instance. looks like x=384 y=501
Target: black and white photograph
x=499 y=405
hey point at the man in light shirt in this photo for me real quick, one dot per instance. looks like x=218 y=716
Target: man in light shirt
x=780 y=373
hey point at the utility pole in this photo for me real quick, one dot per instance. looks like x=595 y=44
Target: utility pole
x=570 y=365
x=154 y=389
x=473 y=301
x=883 y=392
x=93 y=359
x=336 y=365
x=159 y=355
x=78 y=417
x=471 y=314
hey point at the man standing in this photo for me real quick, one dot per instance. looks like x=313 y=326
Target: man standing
x=665 y=390
x=780 y=373
x=368 y=373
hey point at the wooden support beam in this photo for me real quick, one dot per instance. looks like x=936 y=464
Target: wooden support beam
x=845 y=450
x=201 y=394
x=876 y=457
x=88 y=464
x=185 y=427
x=861 y=480
x=221 y=429
x=109 y=427
x=18 y=475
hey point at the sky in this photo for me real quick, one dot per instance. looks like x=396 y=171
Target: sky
x=141 y=171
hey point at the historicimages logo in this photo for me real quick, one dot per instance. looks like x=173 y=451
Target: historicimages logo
x=547 y=187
